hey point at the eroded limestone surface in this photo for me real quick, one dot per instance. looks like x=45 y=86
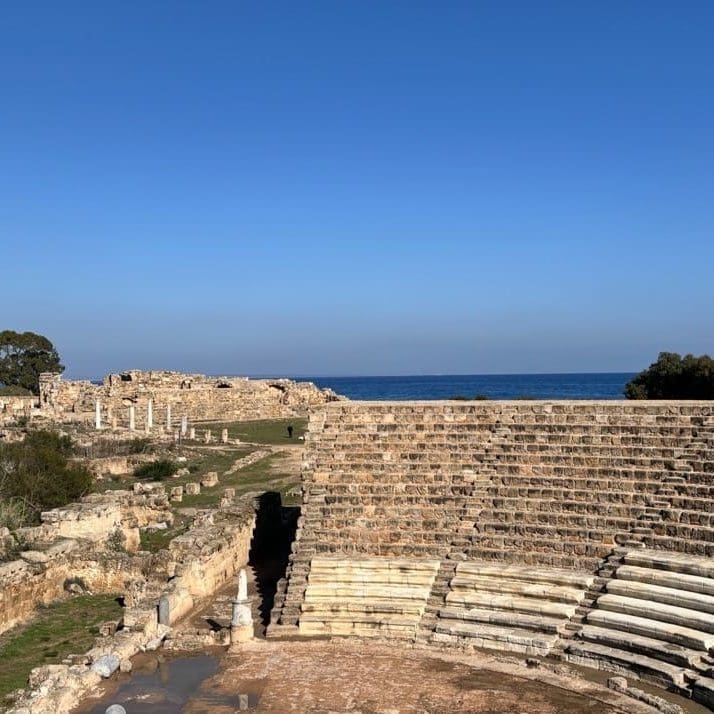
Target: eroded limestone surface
x=166 y=400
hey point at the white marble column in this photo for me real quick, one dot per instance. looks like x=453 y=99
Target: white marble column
x=184 y=425
x=97 y=414
x=132 y=417
x=150 y=415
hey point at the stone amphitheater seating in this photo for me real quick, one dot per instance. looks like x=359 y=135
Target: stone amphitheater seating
x=368 y=598
x=656 y=618
x=509 y=607
x=575 y=529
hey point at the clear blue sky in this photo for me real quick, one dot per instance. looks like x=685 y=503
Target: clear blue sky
x=362 y=187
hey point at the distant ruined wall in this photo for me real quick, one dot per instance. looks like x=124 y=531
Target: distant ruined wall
x=194 y=395
x=13 y=407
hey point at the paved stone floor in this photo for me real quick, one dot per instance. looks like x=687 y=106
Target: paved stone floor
x=324 y=677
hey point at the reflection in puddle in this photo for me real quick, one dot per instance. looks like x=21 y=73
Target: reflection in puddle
x=173 y=686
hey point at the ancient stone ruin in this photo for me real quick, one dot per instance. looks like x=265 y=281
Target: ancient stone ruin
x=93 y=546
x=560 y=533
x=582 y=531
x=167 y=400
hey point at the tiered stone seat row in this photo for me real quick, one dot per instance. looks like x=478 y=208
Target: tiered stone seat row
x=509 y=607
x=656 y=618
x=366 y=597
x=543 y=485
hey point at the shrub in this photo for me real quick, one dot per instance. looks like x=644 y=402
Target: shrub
x=139 y=446
x=13 y=513
x=674 y=377
x=38 y=474
x=156 y=470
x=13 y=391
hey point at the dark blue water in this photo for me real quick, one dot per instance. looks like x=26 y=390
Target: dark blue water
x=493 y=386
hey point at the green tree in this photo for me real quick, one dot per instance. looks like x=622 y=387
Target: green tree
x=36 y=474
x=23 y=356
x=674 y=377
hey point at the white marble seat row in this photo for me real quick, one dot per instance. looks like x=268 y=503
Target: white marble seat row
x=509 y=607
x=655 y=648
x=511 y=639
x=655 y=629
x=369 y=597
x=593 y=655
x=656 y=618
x=654 y=610
x=552 y=576
x=667 y=595
x=667 y=579
x=671 y=562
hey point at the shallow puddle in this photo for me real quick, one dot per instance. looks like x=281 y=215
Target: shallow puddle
x=169 y=685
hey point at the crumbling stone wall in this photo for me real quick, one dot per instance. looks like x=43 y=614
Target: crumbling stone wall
x=196 y=396
x=206 y=557
x=197 y=564
x=79 y=541
x=13 y=407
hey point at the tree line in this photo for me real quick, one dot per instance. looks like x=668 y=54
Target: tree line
x=674 y=377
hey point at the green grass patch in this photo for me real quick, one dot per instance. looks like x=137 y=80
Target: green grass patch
x=264 y=431
x=64 y=628
x=263 y=475
x=154 y=541
x=202 y=461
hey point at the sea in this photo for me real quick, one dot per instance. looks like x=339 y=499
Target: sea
x=588 y=385
x=607 y=385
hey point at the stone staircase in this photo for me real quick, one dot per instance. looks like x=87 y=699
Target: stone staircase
x=290 y=590
x=509 y=607
x=375 y=597
x=463 y=538
x=654 y=618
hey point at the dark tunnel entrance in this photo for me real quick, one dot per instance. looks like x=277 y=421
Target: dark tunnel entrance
x=275 y=527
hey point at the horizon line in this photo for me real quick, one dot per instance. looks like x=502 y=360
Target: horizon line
x=370 y=376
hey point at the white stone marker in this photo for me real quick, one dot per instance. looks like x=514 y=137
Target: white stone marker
x=184 y=425
x=224 y=436
x=192 y=434
x=241 y=616
x=97 y=414
x=132 y=417
x=150 y=415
